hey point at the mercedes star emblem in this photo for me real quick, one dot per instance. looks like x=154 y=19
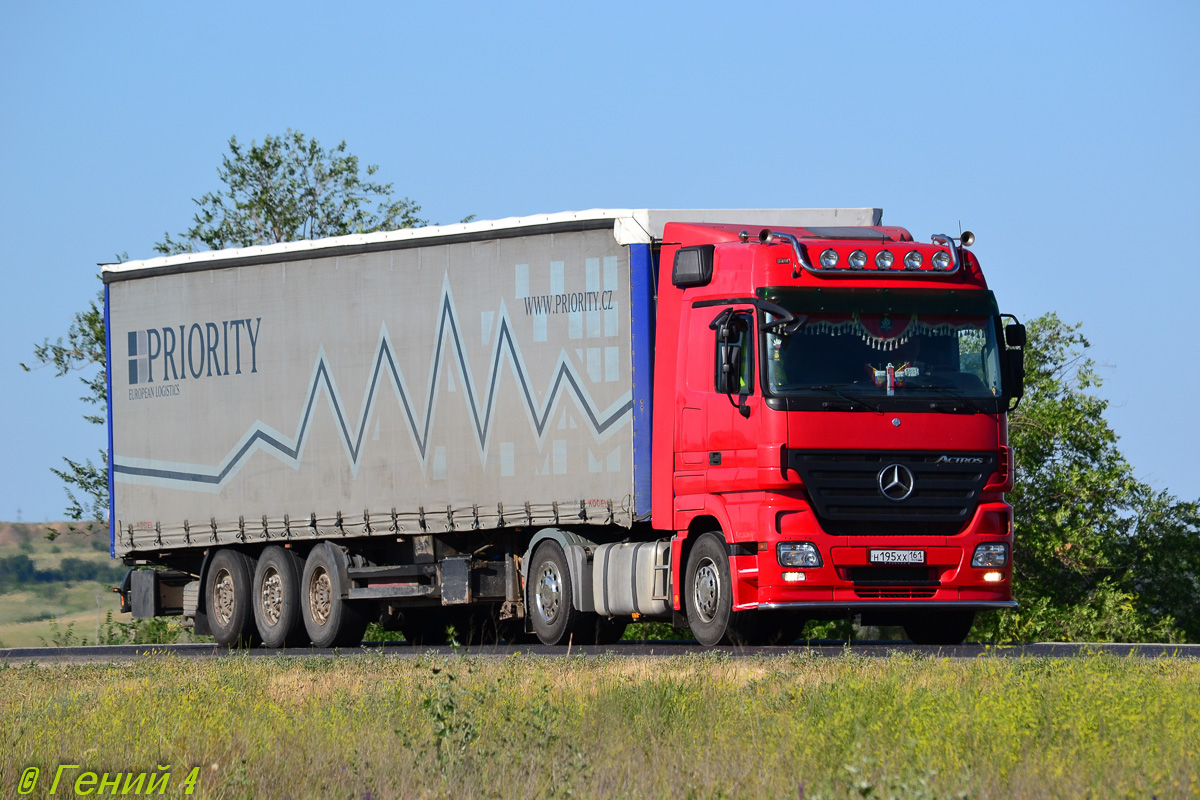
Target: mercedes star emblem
x=895 y=482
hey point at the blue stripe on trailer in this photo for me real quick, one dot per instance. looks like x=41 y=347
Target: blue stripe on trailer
x=641 y=308
x=112 y=517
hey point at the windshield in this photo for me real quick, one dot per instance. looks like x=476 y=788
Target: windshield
x=887 y=354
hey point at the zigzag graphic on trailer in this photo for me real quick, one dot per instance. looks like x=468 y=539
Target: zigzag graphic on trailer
x=291 y=449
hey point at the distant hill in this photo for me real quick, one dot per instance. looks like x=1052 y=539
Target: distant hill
x=68 y=579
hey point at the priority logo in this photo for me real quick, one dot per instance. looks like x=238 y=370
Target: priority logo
x=199 y=350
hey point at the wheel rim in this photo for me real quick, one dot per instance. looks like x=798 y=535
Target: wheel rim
x=224 y=597
x=320 y=596
x=549 y=592
x=272 y=596
x=707 y=590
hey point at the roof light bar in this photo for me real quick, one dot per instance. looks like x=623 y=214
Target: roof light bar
x=914 y=263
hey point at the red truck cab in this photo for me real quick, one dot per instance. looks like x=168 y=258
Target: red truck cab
x=830 y=405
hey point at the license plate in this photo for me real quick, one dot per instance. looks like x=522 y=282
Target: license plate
x=897 y=557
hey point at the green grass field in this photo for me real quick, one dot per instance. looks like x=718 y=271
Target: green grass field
x=77 y=607
x=378 y=726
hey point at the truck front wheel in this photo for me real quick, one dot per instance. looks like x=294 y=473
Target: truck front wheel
x=553 y=616
x=330 y=619
x=709 y=593
x=277 y=598
x=228 y=598
x=939 y=627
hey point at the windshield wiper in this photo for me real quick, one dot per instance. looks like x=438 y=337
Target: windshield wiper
x=836 y=389
x=962 y=402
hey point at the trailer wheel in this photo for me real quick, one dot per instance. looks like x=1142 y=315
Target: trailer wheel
x=709 y=591
x=277 y=598
x=553 y=616
x=939 y=627
x=228 y=598
x=330 y=619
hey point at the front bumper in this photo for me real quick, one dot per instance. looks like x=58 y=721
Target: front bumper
x=978 y=605
x=847 y=580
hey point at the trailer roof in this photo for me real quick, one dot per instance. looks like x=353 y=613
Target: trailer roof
x=629 y=226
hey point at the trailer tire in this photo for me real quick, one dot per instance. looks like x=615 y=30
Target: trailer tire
x=939 y=627
x=708 y=592
x=228 y=597
x=330 y=619
x=277 y=598
x=552 y=614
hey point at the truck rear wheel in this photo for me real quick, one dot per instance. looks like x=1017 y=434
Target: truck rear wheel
x=277 y=598
x=939 y=627
x=228 y=598
x=330 y=619
x=552 y=615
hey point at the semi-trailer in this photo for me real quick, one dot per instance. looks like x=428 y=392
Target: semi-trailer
x=733 y=420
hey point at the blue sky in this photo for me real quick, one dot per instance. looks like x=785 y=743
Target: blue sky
x=1063 y=134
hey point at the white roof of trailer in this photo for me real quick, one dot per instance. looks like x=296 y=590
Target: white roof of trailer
x=631 y=226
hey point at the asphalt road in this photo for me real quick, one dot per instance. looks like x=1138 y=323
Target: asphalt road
x=109 y=653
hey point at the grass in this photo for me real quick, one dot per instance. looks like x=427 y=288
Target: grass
x=378 y=726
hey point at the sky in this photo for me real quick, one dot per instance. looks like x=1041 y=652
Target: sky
x=1064 y=135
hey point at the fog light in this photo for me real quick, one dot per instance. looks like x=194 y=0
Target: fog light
x=857 y=260
x=993 y=577
x=941 y=260
x=798 y=554
x=991 y=554
x=829 y=259
x=884 y=259
x=793 y=577
x=913 y=260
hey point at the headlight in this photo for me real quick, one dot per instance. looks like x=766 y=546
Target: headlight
x=990 y=555
x=884 y=259
x=857 y=260
x=798 y=554
x=913 y=260
x=941 y=260
x=829 y=258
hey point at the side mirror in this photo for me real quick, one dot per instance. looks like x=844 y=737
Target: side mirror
x=1014 y=378
x=1014 y=335
x=729 y=377
x=1017 y=374
x=731 y=328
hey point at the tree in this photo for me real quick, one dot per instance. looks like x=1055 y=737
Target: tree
x=1098 y=555
x=286 y=189
x=86 y=482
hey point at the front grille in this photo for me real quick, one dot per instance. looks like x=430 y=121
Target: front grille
x=896 y=593
x=845 y=493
